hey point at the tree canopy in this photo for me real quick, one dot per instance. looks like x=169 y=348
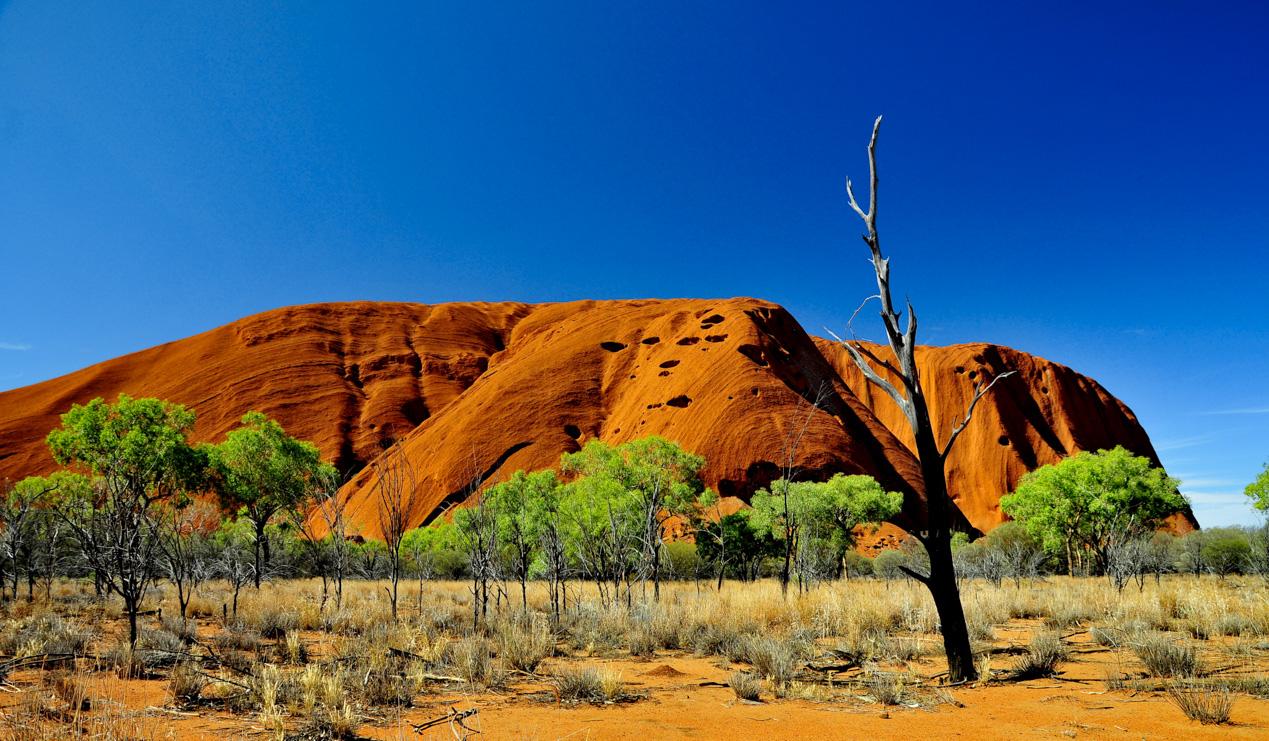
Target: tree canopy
x=1088 y=501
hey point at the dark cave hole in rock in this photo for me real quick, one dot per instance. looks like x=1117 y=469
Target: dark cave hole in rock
x=688 y=341
x=650 y=340
x=613 y=346
x=414 y=411
x=669 y=364
x=572 y=431
x=754 y=353
x=681 y=401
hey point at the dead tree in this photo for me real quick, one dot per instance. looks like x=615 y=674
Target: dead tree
x=395 y=486
x=908 y=394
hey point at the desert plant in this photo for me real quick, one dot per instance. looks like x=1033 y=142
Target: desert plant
x=1208 y=705
x=1166 y=657
x=186 y=684
x=887 y=688
x=1041 y=659
x=523 y=646
x=588 y=684
x=746 y=686
x=471 y=659
x=776 y=659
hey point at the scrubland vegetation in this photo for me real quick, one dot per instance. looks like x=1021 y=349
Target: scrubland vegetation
x=286 y=667
x=166 y=582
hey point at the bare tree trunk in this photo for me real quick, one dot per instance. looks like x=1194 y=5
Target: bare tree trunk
x=909 y=395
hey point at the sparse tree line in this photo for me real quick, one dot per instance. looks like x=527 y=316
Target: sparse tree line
x=137 y=503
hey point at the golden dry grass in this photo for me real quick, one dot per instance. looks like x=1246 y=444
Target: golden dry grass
x=287 y=664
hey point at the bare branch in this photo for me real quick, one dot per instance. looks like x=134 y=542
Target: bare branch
x=915 y=575
x=877 y=380
x=850 y=325
x=850 y=195
x=979 y=392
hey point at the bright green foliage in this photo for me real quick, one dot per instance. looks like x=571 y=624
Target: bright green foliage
x=821 y=517
x=25 y=519
x=520 y=506
x=435 y=550
x=655 y=469
x=625 y=494
x=137 y=446
x=1083 y=502
x=262 y=470
x=1258 y=491
x=729 y=543
x=137 y=449
x=601 y=529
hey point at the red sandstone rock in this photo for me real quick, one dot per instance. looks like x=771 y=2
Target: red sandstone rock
x=479 y=390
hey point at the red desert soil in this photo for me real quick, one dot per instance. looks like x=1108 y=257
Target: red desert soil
x=478 y=390
x=677 y=706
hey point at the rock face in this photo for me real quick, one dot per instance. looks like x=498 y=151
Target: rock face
x=477 y=391
x=344 y=376
x=1037 y=417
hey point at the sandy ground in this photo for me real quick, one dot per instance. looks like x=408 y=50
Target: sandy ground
x=684 y=696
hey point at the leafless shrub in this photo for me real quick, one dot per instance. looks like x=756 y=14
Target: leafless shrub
x=887 y=688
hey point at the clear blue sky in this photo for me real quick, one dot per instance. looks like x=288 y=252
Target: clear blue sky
x=1081 y=183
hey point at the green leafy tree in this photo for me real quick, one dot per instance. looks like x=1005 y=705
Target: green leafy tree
x=601 y=524
x=233 y=554
x=1090 y=501
x=730 y=543
x=816 y=521
x=664 y=479
x=138 y=453
x=1258 y=492
x=20 y=511
x=1226 y=551
x=434 y=550
x=262 y=471
x=521 y=506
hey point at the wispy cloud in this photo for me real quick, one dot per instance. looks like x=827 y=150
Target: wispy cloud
x=1214 y=497
x=1244 y=410
x=1199 y=482
x=16 y=346
x=1181 y=443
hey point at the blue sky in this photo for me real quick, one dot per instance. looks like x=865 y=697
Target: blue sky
x=1083 y=183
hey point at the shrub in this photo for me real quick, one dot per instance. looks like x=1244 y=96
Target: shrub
x=1042 y=657
x=1165 y=657
x=186 y=684
x=337 y=723
x=470 y=659
x=1207 y=705
x=588 y=684
x=523 y=646
x=746 y=686
x=887 y=688
x=68 y=688
x=776 y=659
